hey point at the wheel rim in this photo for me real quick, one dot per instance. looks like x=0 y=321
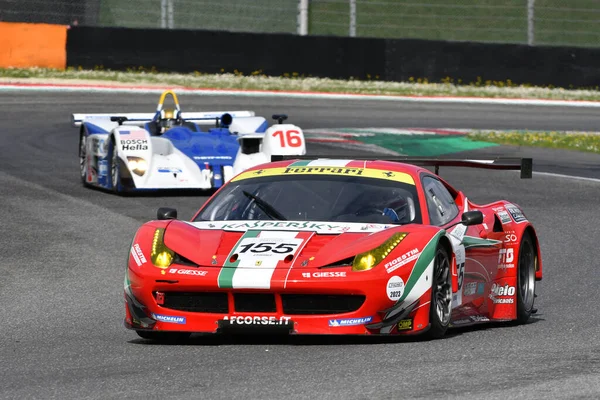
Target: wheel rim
x=114 y=168
x=442 y=288
x=527 y=275
x=82 y=156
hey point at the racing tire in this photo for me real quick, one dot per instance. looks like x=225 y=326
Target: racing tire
x=164 y=337
x=83 y=162
x=526 y=279
x=440 y=309
x=114 y=168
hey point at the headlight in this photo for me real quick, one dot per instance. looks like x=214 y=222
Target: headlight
x=368 y=260
x=161 y=255
x=137 y=165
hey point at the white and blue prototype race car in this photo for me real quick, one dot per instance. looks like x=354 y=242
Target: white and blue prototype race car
x=126 y=152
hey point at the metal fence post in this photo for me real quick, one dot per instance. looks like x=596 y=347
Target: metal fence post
x=302 y=17
x=530 y=22
x=352 y=18
x=170 y=13
x=163 y=14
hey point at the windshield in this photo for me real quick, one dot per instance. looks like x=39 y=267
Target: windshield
x=315 y=198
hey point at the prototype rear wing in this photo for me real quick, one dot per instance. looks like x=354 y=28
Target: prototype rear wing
x=201 y=118
x=525 y=165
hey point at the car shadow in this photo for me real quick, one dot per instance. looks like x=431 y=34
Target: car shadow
x=156 y=193
x=323 y=340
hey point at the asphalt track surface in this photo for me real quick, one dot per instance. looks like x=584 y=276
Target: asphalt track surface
x=62 y=260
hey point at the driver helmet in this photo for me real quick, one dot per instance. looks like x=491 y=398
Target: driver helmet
x=168 y=119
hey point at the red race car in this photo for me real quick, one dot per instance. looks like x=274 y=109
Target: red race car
x=338 y=247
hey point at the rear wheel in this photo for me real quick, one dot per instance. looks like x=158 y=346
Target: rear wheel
x=164 y=337
x=526 y=279
x=441 y=294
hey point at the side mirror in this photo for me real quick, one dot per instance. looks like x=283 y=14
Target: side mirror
x=166 y=213
x=472 y=218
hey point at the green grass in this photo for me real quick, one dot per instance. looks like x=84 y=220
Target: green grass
x=256 y=81
x=557 y=22
x=579 y=141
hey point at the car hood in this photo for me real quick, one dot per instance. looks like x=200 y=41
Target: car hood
x=277 y=244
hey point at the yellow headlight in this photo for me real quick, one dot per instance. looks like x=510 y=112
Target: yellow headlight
x=138 y=165
x=161 y=255
x=368 y=260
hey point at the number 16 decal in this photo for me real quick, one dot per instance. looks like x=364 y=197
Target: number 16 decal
x=291 y=138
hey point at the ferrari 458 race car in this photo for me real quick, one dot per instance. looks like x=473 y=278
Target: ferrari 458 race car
x=331 y=246
x=167 y=149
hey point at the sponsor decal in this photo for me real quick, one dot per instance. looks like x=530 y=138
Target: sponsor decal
x=166 y=170
x=350 y=321
x=138 y=255
x=405 y=324
x=402 y=260
x=395 y=288
x=324 y=170
x=506 y=258
x=181 y=271
x=102 y=167
x=479 y=318
x=320 y=227
x=516 y=213
x=134 y=144
x=498 y=293
x=510 y=238
x=212 y=157
x=169 y=318
x=98 y=146
x=336 y=274
x=503 y=215
x=472 y=288
x=256 y=320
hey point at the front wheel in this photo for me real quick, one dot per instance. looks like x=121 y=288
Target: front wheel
x=526 y=279
x=114 y=167
x=83 y=161
x=441 y=294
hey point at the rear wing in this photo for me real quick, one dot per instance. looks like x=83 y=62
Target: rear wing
x=201 y=118
x=525 y=165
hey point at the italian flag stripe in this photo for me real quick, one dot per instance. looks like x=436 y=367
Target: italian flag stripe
x=425 y=259
x=226 y=275
x=301 y=163
x=321 y=163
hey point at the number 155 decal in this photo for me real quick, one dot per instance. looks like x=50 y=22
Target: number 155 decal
x=266 y=247
x=273 y=248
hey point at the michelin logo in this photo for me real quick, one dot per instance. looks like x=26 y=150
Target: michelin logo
x=169 y=318
x=350 y=321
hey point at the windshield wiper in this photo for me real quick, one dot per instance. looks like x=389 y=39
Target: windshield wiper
x=266 y=207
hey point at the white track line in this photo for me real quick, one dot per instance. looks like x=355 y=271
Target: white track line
x=290 y=94
x=580 y=178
